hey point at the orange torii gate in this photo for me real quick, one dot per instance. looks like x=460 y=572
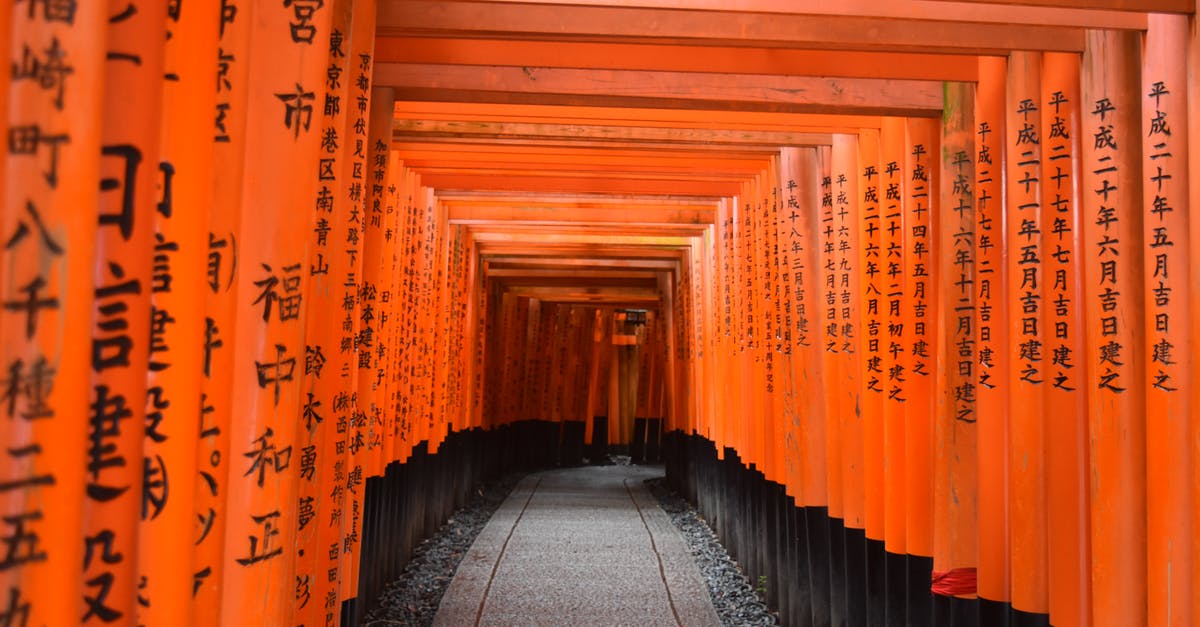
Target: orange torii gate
x=908 y=290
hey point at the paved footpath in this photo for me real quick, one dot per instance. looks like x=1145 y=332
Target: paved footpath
x=579 y=546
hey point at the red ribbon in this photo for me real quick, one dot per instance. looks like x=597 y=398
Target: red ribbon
x=955 y=582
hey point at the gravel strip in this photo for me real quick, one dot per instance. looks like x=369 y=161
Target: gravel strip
x=413 y=599
x=736 y=601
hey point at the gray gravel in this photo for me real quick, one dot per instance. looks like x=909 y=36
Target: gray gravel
x=736 y=601
x=413 y=599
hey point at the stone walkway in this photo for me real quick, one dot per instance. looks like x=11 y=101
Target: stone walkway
x=579 y=546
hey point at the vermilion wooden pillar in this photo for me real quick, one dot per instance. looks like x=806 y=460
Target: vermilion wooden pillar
x=955 y=547
x=1167 y=275
x=832 y=343
x=893 y=182
x=178 y=291
x=797 y=273
x=1113 y=281
x=921 y=213
x=287 y=60
x=326 y=407
x=213 y=458
x=991 y=331
x=121 y=337
x=1062 y=300
x=1193 y=170
x=1026 y=326
x=873 y=333
x=47 y=281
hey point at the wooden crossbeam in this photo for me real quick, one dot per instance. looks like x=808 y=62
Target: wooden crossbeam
x=1118 y=15
x=473 y=19
x=407 y=130
x=549 y=214
x=713 y=119
x=680 y=90
x=677 y=58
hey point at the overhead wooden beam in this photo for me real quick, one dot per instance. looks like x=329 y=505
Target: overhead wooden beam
x=581 y=185
x=1140 y=6
x=473 y=19
x=517 y=274
x=404 y=130
x=631 y=116
x=548 y=214
x=1103 y=15
x=505 y=84
x=677 y=58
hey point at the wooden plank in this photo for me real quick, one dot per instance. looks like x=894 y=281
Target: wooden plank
x=407 y=129
x=801 y=94
x=633 y=116
x=576 y=184
x=1080 y=14
x=551 y=214
x=622 y=24
x=677 y=58
x=1155 y=6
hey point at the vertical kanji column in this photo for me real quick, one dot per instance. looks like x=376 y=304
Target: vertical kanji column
x=1169 y=413
x=1113 y=284
x=286 y=66
x=896 y=361
x=1066 y=398
x=872 y=376
x=120 y=353
x=224 y=241
x=177 y=317
x=371 y=138
x=921 y=210
x=846 y=209
x=327 y=403
x=991 y=332
x=1027 y=487
x=955 y=544
x=47 y=280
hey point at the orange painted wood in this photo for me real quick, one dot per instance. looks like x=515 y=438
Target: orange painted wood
x=638 y=117
x=47 y=285
x=1026 y=326
x=872 y=329
x=894 y=183
x=677 y=58
x=921 y=204
x=720 y=28
x=284 y=76
x=991 y=330
x=1193 y=139
x=329 y=373
x=1169 y=502
x=956 y=531
x=120 y=352
x=225 y=239
x=1066 y=397
x=1163 y=6
x=806 y=433
x=375 y=277
x=832 y=342
x=1005 y=12
x=678 y=90
x=847 y=241
x=342 y=518
x=178 y=321
x=1114 y=318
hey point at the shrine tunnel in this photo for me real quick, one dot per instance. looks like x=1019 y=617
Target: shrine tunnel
x=902 y=294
